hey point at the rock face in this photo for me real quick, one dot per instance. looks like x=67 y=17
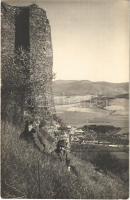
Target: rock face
x=27 y=60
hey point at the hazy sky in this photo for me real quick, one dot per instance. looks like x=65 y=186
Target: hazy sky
x=90 y=38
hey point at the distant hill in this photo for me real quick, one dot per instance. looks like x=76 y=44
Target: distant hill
x=85 y=87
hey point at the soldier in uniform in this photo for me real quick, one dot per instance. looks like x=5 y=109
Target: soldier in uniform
x=37 y=136
x=32 y=131
x=63 y=149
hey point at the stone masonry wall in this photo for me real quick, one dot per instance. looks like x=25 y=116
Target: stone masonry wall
x=39 y=62
x=42 y=55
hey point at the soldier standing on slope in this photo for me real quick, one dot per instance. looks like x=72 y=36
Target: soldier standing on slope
x=63 y=148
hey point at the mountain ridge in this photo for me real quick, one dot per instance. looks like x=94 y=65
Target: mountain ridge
x=86 y=87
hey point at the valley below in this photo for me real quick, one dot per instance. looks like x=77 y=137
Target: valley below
x=100 y=132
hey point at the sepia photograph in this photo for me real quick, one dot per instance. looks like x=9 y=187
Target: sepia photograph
x=65 y=99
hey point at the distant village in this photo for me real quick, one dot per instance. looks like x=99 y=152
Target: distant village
x=87 y=135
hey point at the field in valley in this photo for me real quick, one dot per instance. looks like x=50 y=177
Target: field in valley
x=103 y=157
x=76 y=115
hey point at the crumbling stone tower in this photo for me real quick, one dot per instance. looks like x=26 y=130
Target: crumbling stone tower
x=26 y=49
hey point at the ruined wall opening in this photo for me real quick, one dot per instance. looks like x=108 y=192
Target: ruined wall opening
x=22 y=29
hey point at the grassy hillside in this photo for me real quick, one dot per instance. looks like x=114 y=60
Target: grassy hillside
x=27 y=173
x=85 y=87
